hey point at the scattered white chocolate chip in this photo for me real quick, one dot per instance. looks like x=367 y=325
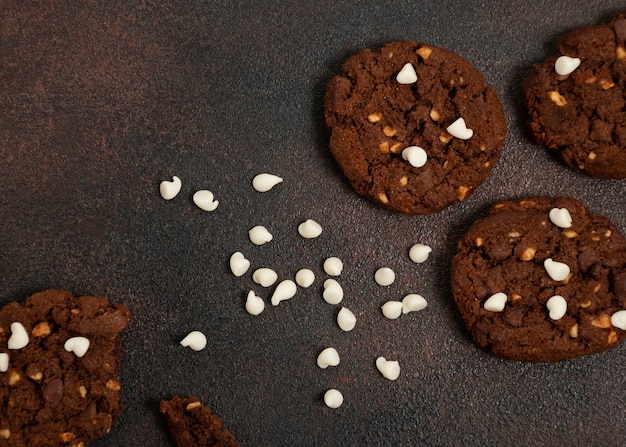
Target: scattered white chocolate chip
x=565 y=65
x=618 y=319
x=415 y=155
x=392 y=309
x=170 y=189
x=4 y=362
x=333 y=398
x=264 y=182
x=390 y=369
x=204 y=200
x=254 y=304
x=285 y=290
x=19 y=336
x=346 y=319
x=309 y=229
x=407 y=75
x=558 y=271
x=560 y=217
x=460 y=130
x=333 y=266
x=305 y=278
x=239 y=264
x=259 y=235
x=328 y=357
x=384 y=276
x=413 y=303
x=419 y=253
x=557 y=306
x=195 y=340
x=496 y=302
x=264 y=277
x=333 y=292
x=77 y=345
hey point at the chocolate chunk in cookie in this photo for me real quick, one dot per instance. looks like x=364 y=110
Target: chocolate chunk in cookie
x=413 y=126
x=576 y=100
x=192 y=425
x=542 y=280
x=59 y=381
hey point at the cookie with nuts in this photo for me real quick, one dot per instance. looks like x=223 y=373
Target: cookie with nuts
x=543 y=280
x=576 y=99
x=413 y=127
x=193 y=425
x=59 y=362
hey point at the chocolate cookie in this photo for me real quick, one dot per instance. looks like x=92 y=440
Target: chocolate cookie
x=192 y=425
x=576 y=100
x=413 y=126
x=59 y=361
x=542 y=280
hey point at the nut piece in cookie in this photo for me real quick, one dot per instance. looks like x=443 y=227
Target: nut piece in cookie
x=543 y=280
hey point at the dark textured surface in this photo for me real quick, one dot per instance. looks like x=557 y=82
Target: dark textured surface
x=100 y=103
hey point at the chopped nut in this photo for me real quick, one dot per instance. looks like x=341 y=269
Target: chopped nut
x=612 y=338
x=404 y=181
x=5 y=433
x=528 y=254
x=573 y=331
x=80 y=444
x=1 y=331
x=620 y=53
x=395 y=148
x=82 y=391
x=595 y=236
x=478 y=241
x=383 y=147
x=608 y=233
x=568 y=278
x=514 y=234
x=461 y=192
x=557 y=98
x=602 y=322
x=497 y=206
x=445 y=138
x=515 y=297
x=445 y=164
x=606 y=84
x=374 y=117
x=585 y=304
x=591 y=80
x=382 y=197
x=41 y=330
x=389 y=131
x=36 y=376
x=570 y=234
x=434 y=115
x=482 y=146
x=597 y=288
x=592 y=156
x=193 y=405
x=113 y=384
x=424 y=52
x=487 y=164
x=75 y=311
x=14 y=377
x=66 y=436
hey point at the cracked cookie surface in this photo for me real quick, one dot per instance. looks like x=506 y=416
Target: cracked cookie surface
x=507 y=252
x=373 y=116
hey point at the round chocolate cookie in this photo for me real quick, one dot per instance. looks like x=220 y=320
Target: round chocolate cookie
x=413 y=126
x=59 y=362
x=542 y=280
x=576 y=100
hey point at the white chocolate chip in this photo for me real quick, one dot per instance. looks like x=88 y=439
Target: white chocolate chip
x=195 y=340
x=328 y=357
x=565 y=65
x=419 y=253
x=239 y=264
x=346 y=319
x=407 y=75
x=561 y=217
x=77 y=345
x=4 y=362
x=309 y=229
x=333 y=292
x=413 y=303
x=390 y=369
x=558 y=271
x=264 y=277
x=618 y=319
x=259 y=235
x=170 y=189
x=254 y=304
x=333 y=266
x=264 y=182
x=333 y=398
x=496 y=302
x=415 y=155
x=285 y=290
x=19 y=336
x=384 y=276
x=392 y=309
x=204 y=200
x=460 y=130
x=305 y=278
x=557 y=306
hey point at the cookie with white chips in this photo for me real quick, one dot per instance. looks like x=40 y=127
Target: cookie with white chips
x=413 y=126
x=576 y=99
x=542 y=279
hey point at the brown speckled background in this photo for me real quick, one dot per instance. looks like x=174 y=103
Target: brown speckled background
x=100 y=101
